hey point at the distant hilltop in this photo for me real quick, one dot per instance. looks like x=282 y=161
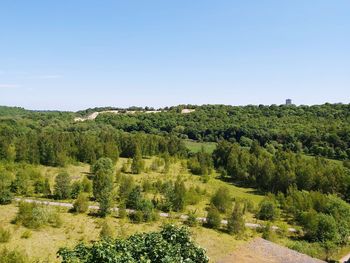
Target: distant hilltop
x=93 y=115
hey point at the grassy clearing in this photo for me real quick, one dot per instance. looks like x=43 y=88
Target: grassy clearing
x=43 y=243
x=194 y=146
x=177 y=170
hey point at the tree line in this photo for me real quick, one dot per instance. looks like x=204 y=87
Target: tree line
x=278 y=170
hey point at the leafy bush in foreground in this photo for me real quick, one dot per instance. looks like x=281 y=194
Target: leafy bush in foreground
x=171 y=244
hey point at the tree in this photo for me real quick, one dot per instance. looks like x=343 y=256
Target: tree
x=103 y=183
x=5 y=184
x=171 y=244
x=137 y=164
x=134 y=198
x=81 y=204
x=106 y=230
x=22 y=185
x=62 y=186
x=268 y=210
x=213 y=218
x=235 y=224
x=222 y=199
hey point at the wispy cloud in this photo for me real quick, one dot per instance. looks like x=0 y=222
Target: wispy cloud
x=9 y=86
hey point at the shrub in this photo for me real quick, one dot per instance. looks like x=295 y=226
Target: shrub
x=171 y=244
x=235 y=224
x=222 y=200
x=81 y=205
x=136 y=217
x=87 y=185
x=122 y=212
x=191 y=219
x=213 y=218
x=5 y=235
x=76 y=189
x=268 y=233
x=268 y=210
x=5 y=191
x=62 y=186
x=33 y=215
x=106 y=230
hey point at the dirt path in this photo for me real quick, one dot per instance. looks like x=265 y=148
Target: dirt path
x=263 y=251
x=96 y=207
x=345 y=259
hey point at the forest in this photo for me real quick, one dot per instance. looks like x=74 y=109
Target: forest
x=273 y=165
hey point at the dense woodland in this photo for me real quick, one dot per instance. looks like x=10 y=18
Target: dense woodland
x=298 y=157
x=317 y=130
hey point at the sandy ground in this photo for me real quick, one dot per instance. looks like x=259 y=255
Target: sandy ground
x=263 y=251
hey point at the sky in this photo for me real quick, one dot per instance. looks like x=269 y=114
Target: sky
x=76 y=54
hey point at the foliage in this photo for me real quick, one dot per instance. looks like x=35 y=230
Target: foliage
x=103 y=183
x=213 y=218
x=81 y=204
x=200 y=163
x=222 y=199
x=63 y=186
x=137 y=164
x=106 y=230
x=268 y=210
x=276 y=172
x=171 y=244
x=5 y=190
x=235 y=223
x=34 y=216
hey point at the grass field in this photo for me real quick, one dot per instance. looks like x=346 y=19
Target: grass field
x=44 y=243
x=194 y=146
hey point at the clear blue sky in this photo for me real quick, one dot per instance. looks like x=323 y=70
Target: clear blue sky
x=74 y=54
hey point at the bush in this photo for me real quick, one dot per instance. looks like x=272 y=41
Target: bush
x=213 y=218
x=5 y=190
x=5 y=235
x=106 y=231
x=236 y=224
x=191 y=219
x=268 y=210
x=222 y=200
x=15 y=256
x=33 y=215
x=62 y=186
x=122 y=212
x=268 y=233
x=171 y=244
x=76 y=189
x=81 y=205
x=136 y=217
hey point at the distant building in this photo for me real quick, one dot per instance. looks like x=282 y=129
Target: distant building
x=288 y=102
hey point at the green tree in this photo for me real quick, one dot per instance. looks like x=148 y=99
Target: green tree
x=236 y=224
x=268 y=210
x=62 y=186
x=213 y=218
x=103 y=183
x=81 y=204
x=137 y=164
x=222 y=199
x=5 y=190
